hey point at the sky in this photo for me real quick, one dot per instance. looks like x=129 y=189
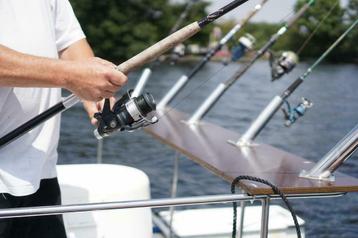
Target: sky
x=273 y=11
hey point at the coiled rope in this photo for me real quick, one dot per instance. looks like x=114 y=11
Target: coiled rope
x=275 y=189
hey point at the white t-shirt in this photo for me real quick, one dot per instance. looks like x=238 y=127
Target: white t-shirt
x=41 y=28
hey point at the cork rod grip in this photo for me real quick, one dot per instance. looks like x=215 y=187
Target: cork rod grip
x=159 y=48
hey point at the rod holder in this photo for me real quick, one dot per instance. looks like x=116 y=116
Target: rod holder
x=172 y=92
x=207 y=105
x=142 y=82
x=336 y=157
x=259 y=124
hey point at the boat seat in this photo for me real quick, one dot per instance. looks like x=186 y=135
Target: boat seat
x=94 y=183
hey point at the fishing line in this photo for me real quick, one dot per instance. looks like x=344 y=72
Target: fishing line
x=191 y=92
x=183 y=16
x=299 y=51
x=284 y=19
x=275 y=189
x=329 y=50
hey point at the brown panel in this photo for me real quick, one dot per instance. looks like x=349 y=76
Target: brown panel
x=207 y=145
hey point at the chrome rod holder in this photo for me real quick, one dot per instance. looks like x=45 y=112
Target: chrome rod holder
x=172 y=92
x=208 y=103
x=259 y=124
x=147 y=72
x=336 y=157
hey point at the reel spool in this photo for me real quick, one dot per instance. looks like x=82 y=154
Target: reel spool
x=246 y=43
x=292 y=115
x=282 y=64
x=128 y=113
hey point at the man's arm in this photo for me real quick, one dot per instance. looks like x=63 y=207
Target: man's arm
x=90 y=79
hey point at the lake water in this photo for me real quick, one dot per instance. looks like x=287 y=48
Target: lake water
x=332 y=88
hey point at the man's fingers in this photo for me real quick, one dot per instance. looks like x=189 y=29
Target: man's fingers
x=94 y=121
x=113 y=101
x=111 y=88
x=100 y=104
x=117 y=78
x=105 y=62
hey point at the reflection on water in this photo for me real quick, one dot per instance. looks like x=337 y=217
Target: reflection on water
x=332 y=88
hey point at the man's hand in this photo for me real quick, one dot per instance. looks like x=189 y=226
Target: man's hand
x=94 y=79
x=83 y=54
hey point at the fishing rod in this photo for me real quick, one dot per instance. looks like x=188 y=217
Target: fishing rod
x=292 y=114
x=223 y=87
x=131 y=106
x=184 y=79
x=342 y=151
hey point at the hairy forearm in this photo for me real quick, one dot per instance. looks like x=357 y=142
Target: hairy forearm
x=22 y=70
x=77 y=70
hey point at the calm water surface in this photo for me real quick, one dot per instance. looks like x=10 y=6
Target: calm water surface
x=332 y=88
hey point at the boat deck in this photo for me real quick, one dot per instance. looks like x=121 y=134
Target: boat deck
x=206 y=144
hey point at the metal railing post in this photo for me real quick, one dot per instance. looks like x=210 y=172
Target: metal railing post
x=242 y=219
x=174 y=191
x=100 y=151
x=265 y=217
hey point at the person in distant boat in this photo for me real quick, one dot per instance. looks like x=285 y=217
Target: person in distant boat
x=42 y=49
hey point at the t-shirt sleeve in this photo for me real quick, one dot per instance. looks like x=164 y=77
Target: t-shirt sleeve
x=67 y=27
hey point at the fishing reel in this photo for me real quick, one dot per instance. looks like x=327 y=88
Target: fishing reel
x=246 y=43
x=177 y=53
x=128 y=113
x=282 y=64
x=292 y=115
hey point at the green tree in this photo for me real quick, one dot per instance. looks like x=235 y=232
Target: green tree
x=327 y=33
x=348 y=50
x=119 y=29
